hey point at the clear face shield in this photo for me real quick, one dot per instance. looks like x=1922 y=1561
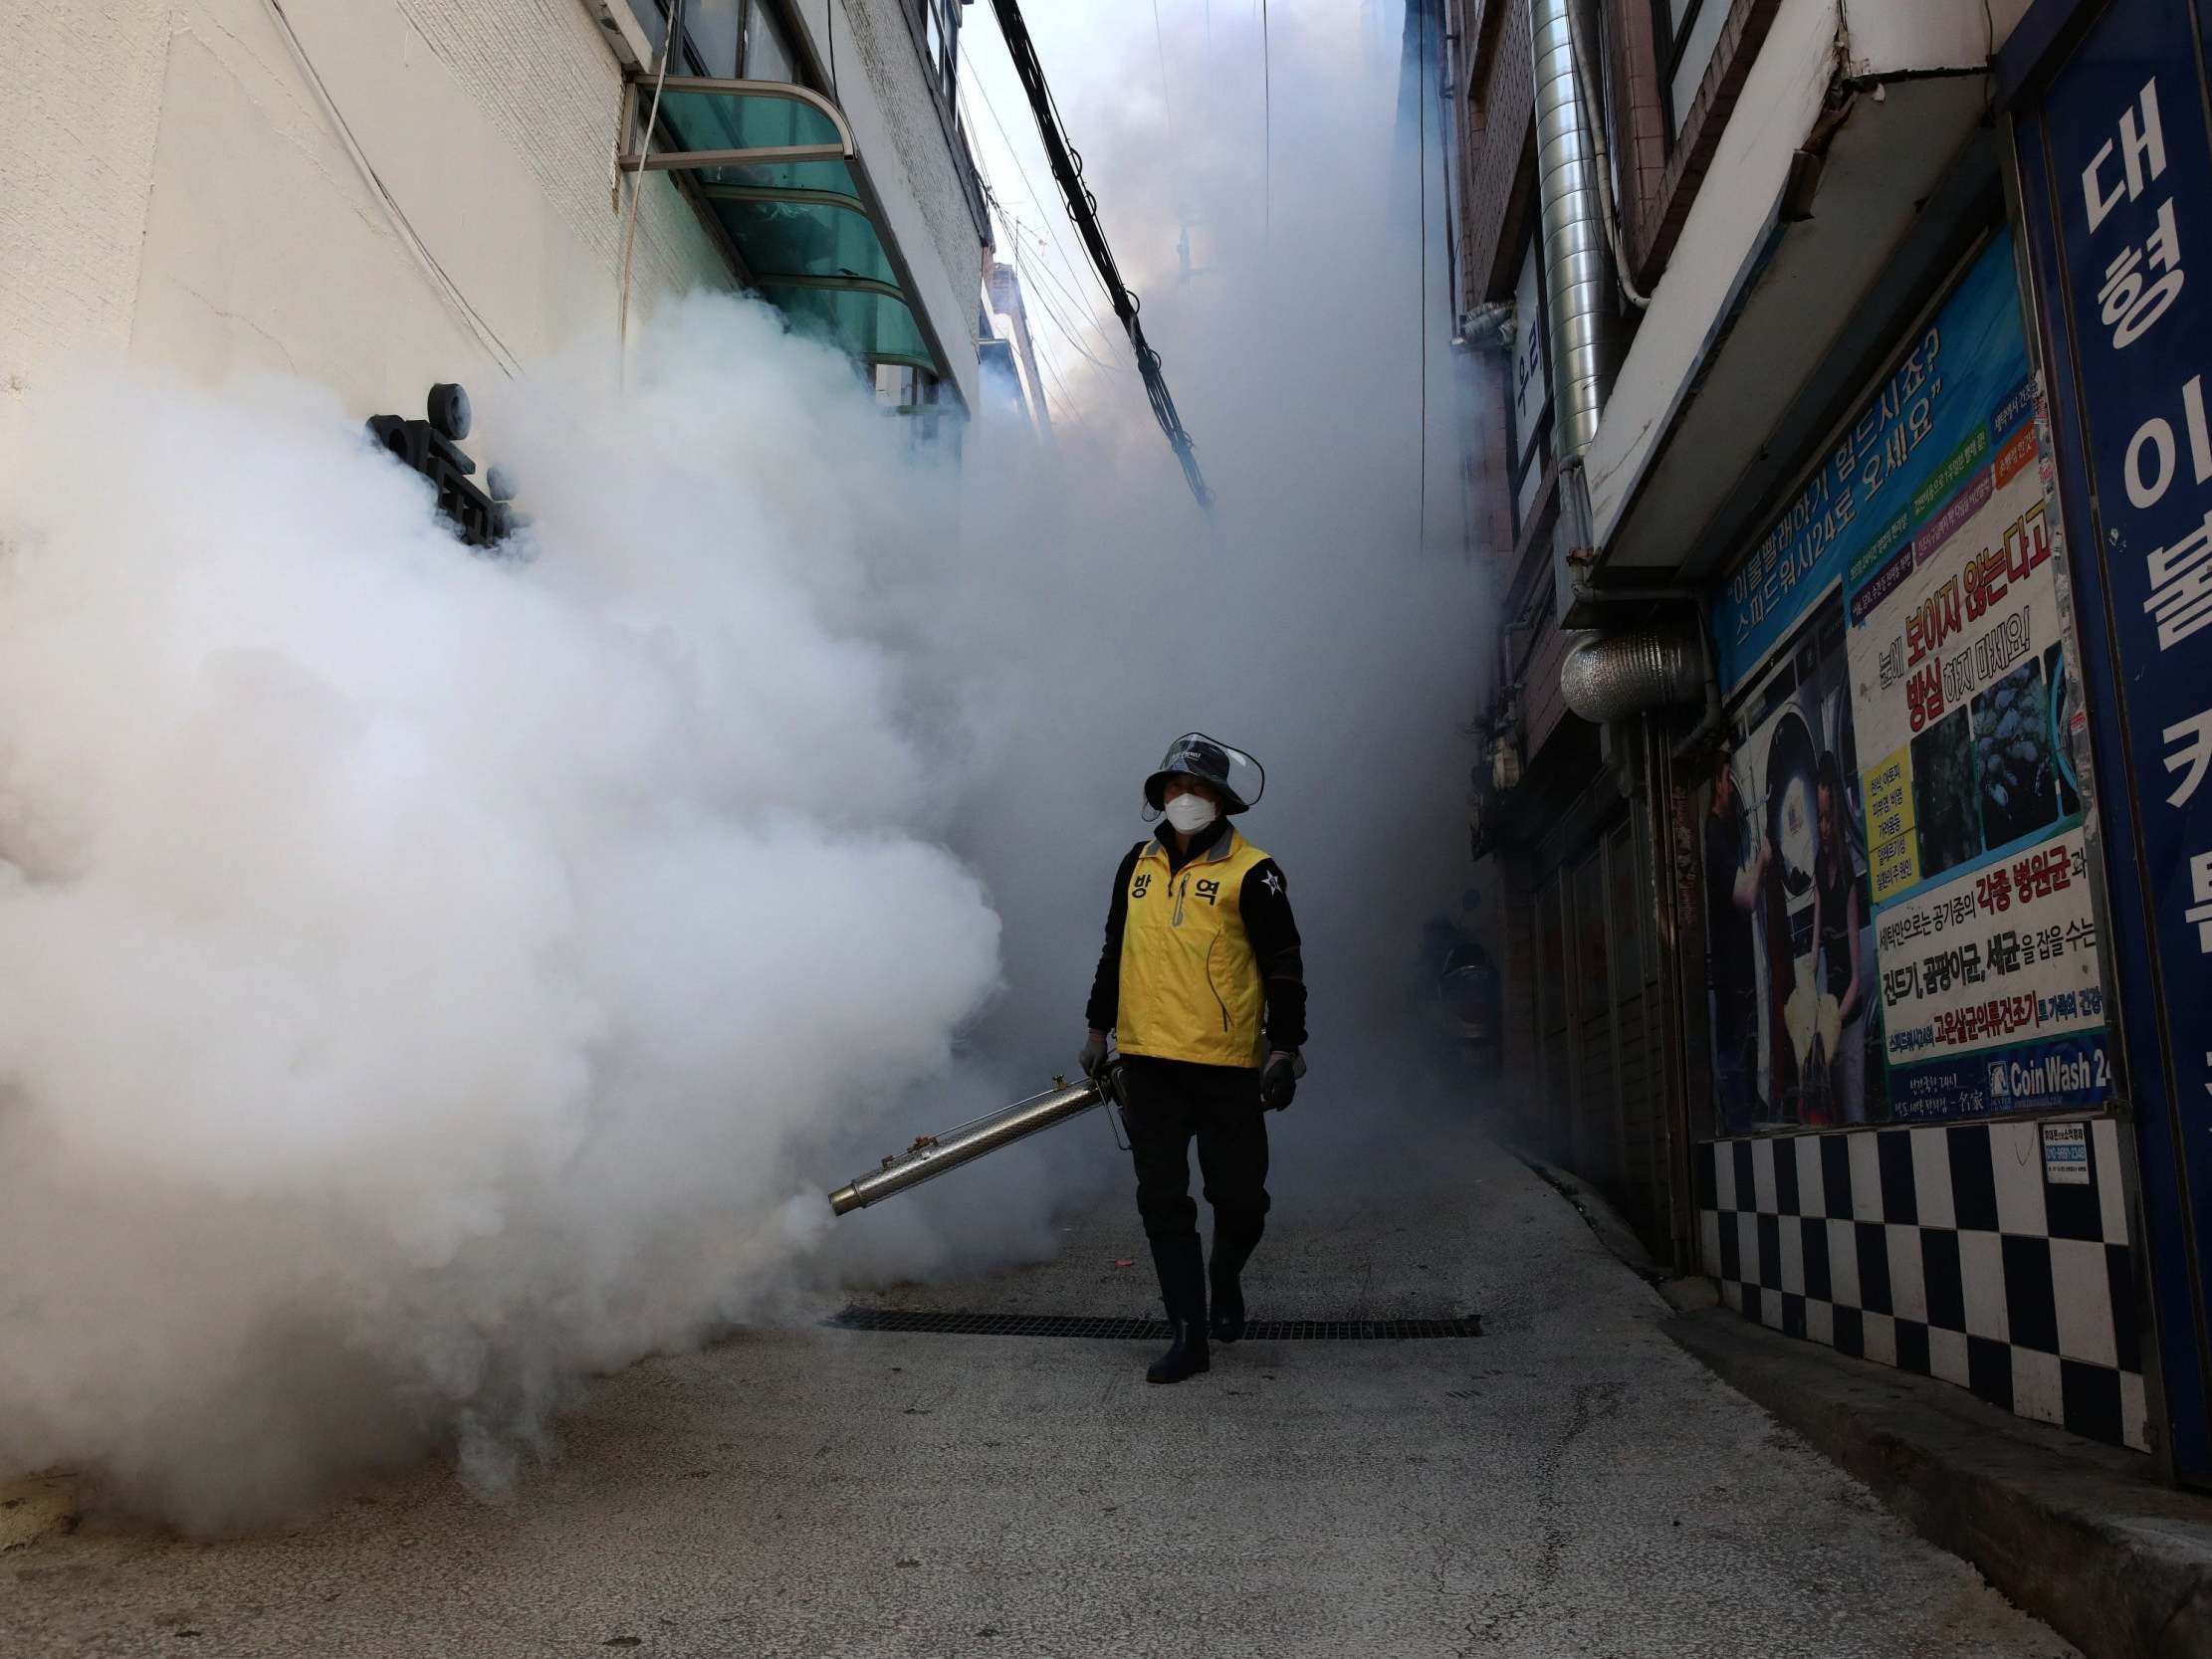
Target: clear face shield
x=1195 y=754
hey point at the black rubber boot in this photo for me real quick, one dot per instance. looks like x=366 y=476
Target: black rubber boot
x=1233 y=1248
x=1181 y=1267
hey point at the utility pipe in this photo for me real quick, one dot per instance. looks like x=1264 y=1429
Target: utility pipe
x=1577 y=283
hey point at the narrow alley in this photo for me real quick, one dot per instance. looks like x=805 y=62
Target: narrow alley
x=1567 y=1483
x=1475 y=727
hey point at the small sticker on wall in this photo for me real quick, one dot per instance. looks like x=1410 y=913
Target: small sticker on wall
x=2066 y=1154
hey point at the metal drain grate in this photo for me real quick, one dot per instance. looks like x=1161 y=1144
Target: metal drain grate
x=914 y=1323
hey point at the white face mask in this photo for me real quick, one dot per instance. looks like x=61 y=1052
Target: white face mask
x=1192 y=813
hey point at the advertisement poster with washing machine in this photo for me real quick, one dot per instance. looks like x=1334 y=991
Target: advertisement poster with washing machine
x=1963 y=948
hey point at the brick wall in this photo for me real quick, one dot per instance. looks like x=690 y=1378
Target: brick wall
x=1638 y=114
x=1496 y=106
x=1701 y=124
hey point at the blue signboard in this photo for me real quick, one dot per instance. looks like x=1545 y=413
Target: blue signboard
x=1959 y=378
x=2116 y=170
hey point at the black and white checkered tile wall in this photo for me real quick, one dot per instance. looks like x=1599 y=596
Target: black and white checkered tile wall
x=1944 y=1251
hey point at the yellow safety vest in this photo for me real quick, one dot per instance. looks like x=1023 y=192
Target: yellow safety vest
x=1191 y=988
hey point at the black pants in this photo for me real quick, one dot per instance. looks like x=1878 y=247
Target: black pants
x=1169 y=1102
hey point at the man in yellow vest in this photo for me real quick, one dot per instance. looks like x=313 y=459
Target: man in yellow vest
x=1202 y=981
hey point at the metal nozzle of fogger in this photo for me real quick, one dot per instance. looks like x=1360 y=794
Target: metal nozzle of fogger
x=932 y=1155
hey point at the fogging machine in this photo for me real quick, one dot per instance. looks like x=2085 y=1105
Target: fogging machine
x=932 y=1155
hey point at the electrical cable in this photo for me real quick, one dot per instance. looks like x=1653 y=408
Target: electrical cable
x=1052 y=313
x=1067 y=398
x=637 y=194
x=1015 y=232
x=1035 y=195
x=1267 y=125
x=1060 y=280
x=1160 y=46
x=1044 y=298
x=1421 y=96
x=1167 y=111
x=1024 y=274
x=1083 y=209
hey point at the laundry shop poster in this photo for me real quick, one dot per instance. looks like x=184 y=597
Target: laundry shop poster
x=1930 y=525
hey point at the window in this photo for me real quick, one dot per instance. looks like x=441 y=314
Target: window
x=1684 y=33
x=768 y=46
x=932 y=417
x=898 y=388
x=726 y=39
x=1530 y=386
x=941 y=42
x=714 y=29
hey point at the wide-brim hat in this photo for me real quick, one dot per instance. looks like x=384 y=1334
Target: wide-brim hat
x=1236 y=775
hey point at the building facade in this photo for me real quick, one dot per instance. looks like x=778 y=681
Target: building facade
x=381 y=195
x=1849 y=468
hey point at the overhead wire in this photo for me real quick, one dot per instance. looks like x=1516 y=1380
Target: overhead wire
x=1052 y=313
x=1160 y=46
x=1167 y=109
x=1035 y=195
x=1067 y=398
x=1421 y=96
x=1083 y=209
x=1044 y=298
x=1015 y=230
x=1023 y=276
x=1017 y=236
x=1267 y=123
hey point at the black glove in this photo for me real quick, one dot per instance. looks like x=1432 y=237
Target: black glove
x=1279 y=1080
x=1094 y=1053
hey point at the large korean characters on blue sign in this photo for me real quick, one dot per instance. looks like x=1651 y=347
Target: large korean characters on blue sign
x=1896 y=867
x=2124 y=161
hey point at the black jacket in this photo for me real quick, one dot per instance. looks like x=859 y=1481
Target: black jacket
x=1264 y=903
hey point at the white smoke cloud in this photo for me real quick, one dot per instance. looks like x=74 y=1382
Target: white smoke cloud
x=423 y=968
x=1325 y=617
x=435 y=980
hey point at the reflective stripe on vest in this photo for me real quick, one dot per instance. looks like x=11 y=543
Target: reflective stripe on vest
x=1191 y=988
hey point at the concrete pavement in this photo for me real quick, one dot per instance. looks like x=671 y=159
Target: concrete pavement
x=1569 y=1483
x=2086 y=1536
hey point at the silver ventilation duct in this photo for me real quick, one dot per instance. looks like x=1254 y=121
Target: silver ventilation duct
x=1610 y=676
x=1578 y=285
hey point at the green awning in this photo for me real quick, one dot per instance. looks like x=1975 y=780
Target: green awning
x=778 y=167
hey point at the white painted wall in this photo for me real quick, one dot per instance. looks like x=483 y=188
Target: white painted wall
x=175 y=183
x=1893 y=36
x=185 y=181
